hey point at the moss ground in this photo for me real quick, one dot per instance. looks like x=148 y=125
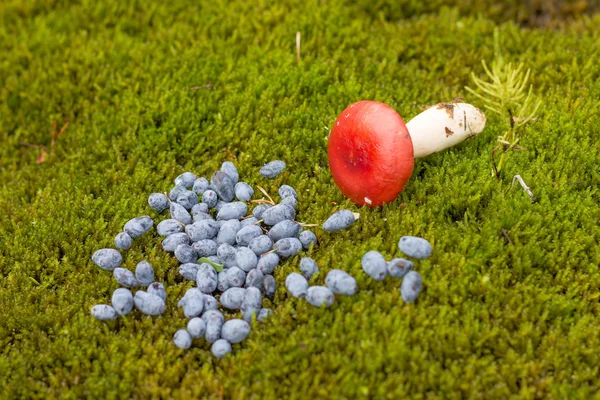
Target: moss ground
x=151 y=90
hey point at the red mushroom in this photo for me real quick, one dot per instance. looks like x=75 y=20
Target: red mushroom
x=370 y=153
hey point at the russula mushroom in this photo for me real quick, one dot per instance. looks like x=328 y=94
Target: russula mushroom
x=371 y=152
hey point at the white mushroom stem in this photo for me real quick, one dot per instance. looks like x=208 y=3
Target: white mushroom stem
x=444 y=125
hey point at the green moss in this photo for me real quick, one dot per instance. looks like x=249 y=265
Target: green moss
x=495 y=320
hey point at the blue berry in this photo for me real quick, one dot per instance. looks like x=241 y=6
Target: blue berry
x=243 y=191
x=210 y=314
x=205 y=247
x=319 y=295
x=199 y=208
x=259 y=210
x=210 y=198
x=220 y=348
x=201 y=185
x=340 y=282
x=157 y=289
x=192 y=303
x=307 y=238
x=308 y=267
x=260 y=244
x=148 y=304
x=290 y=201
x=226 y=254
x=415 y=247
x=206 y=279
x=235 y=277
x=229 y=168
x=103 y=312
x=182 y=339
x=187 y=199
x=196 y=327
x=398 y=267
x=235 y=210
x=296 y=284
x=125 y=277
x=278 y=213
x=245 y=259
x=122 y=301
x=107 y=259
x=186 y=254
x=267 y=263
x=189 y=271
x=250 y=221
x=411 y=286
x=263 y=314
x=205 y=229
x=179 y=213
x=374 y=265
x=272 y=169
x=213 y=330
x=228 y=232
x=201 y=215
x=252 y=303
x=175 y=192
x=222 y=283
x=220 y=205
x=287 y=191
x=144 y=273
x=223 y=185
x=339 y=220
x=186 y=180
x=246 y=234
x=269 y=286
x=254 y=278
x=284 y=229
x=136 y=227
x=172 y=241
x=210 y=303
x=169 y=227
x=232 y=298
x=235 y=330
x=158 y=202
x=123 y=241
x=288 y=247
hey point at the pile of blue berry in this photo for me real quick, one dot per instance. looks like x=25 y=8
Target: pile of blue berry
x=227 y=251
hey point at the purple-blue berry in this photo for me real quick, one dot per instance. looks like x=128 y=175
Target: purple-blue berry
x=179 y=213
x=243 y=191
x=398 y=267
x=235 y=330
x=186 y=180
x=182 y=339
x=220 y=348
x=307 y=238
x=169 y=226
x=340 y=282
x=246 y=234
x=104 y=312
x=287 y=247
x=210 y=198
x=411 y=286
x=284 y=229
x=296 y=284
x=196 y=327
x=272 y=169
x=158 y=202
x=125 y=277
x=123 y=241
x=122 y=301
x=223 y=185
x=319 y=295
x=171 y=242
x=339 y=220
x=374 y=265
x=308 y=267
x=415 y=247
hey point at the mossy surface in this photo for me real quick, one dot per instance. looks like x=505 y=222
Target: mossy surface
x=151 y=90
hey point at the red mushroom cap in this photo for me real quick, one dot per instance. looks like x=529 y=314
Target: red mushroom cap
x=370 y=153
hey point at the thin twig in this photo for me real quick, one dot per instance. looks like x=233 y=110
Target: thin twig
x=506 y=236
x=298 y=46
x=523 y=185
x=266 y=194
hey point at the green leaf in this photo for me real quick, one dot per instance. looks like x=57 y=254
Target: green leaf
x=218 y=267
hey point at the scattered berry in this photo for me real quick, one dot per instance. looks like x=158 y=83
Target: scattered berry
x=175 y=192
x=223 y=185
x=263 y=314
x=187 y=180
x=374 y=265
x=307 y=238
x=123 y=241
x=196 y=327
x=201 y=185
x=267 y=263
x=148 y=304
x=319 y=295
x=339 y=220
x=206 y=279
x=182 y=339
x=103 y=312
x=187 y=199
x=254 y=278
x=205 y=247
x=122 y=301
x=415 y=247
x=340 y=282
x=235 y=330
x=278 y=213
x=272 y=169
x=189 y=271
x=236 y=277
x=398 y=267
x=226 y=254
x=158 y=202
x=231 y=171
x=296 y=284
x=186 y=254
x=411 y=286
x=268 y=286
x=308 y=267
x=144 y=273
x=235 y=210
x=157 y=289
x=205 y=229
x=288 y=247
x=220 y=348
x=179 y=213
x=107 y=259
x=259 y=210
x=125 y=277
x=199 y=208
x=192 y=303
x=171 y=242
x=169 y=227
x=243 y=191
x=252 y=303
x=284 y=229
x=245 y=259
x=228 y=232
x=287 y=191
x=210 y=198
x=247 y=233
x=261 y=244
